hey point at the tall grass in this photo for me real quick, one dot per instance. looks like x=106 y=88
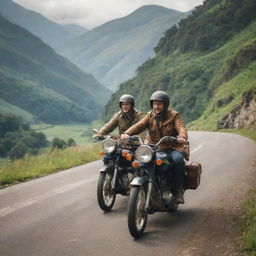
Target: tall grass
x=249 y=225
x=30 y=167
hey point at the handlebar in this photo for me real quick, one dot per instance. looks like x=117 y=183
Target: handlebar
x=137 y=138
x=170 y=138
x=165 y=138
x=131 y=138
x=102 y=137
x=134 y=138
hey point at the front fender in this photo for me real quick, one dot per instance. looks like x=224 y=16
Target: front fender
x=138 y=181
x=106 y=169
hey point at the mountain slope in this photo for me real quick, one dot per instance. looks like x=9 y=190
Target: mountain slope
x=50 y=32
x=6 y=108
x=74 y=29
x=113 y=51
x=34 y=78
x=206 y=71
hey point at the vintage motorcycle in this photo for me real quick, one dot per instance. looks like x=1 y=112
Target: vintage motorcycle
x=151 y=182
x=117 y=172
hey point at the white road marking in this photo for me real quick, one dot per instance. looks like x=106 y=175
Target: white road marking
x=8 y=210
x=197 y=148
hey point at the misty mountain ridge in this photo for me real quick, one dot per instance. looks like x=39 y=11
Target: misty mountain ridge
x=35 y=79
x=113 y=51
x=50 y=32
x=75 y=29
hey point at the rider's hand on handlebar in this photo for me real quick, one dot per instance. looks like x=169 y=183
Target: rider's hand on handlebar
x=124 y=136
x=96 y=135
x=181 y=140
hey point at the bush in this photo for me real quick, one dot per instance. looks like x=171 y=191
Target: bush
x=18 y=151
x=8 y=123
x=58 y=143
x=71 y=142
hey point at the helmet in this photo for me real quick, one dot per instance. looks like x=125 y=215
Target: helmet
x=127 y=98
x=160 y=96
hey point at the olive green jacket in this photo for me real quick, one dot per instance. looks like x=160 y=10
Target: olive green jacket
x=119 y=120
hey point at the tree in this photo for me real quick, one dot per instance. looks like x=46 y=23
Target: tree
x=15 y=136
x=71 y=142
x=18 y=151
x=39 y=139
x=3 y=151
x=8 y=123
x=58 y=143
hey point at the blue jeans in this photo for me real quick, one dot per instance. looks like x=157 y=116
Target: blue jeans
x=178 y=169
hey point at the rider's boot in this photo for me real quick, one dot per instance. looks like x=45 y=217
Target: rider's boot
x=179 y=195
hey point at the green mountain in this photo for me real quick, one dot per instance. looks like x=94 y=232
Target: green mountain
x=6 y=108
x=112 y=51
x=46 y=85
x=207 y=64
x=50 y=32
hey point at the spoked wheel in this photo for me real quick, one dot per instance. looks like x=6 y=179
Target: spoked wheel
x=106 y=196
x=137 y=215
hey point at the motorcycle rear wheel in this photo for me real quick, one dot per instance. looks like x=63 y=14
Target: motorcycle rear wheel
x=137 y=215
x=105 y=195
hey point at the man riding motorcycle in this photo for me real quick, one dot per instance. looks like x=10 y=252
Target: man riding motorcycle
x=116 y=174
x=160 y=122
x=124 y=118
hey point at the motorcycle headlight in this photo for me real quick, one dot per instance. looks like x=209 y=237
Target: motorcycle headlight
x=144 y=154
x=108 y=145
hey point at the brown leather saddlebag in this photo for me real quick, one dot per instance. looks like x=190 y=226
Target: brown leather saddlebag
x=193 y=172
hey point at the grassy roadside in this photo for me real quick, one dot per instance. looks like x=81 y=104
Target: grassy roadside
x=247 y=215
x=12 y=172
x=36 y=166
x=248 y=225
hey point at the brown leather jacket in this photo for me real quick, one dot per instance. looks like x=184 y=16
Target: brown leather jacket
x=119 y=120
x=171 y=126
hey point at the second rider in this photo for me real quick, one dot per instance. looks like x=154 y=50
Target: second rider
x=124 y=118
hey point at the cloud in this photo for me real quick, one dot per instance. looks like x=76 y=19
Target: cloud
x=91 y=13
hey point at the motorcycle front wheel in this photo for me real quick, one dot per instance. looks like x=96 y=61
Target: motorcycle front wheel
x=137 y=215
x=105 y=194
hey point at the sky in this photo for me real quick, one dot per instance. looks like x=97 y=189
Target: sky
x=92 y=13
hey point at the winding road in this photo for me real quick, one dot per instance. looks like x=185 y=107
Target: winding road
x=58 y=214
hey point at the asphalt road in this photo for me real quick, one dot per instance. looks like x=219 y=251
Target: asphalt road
x=58 y=214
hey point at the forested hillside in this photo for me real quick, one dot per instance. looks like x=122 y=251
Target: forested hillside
x=52 y=33
x=113 y=51
x=35 y=79
x=18 y=139
x=206 y=64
